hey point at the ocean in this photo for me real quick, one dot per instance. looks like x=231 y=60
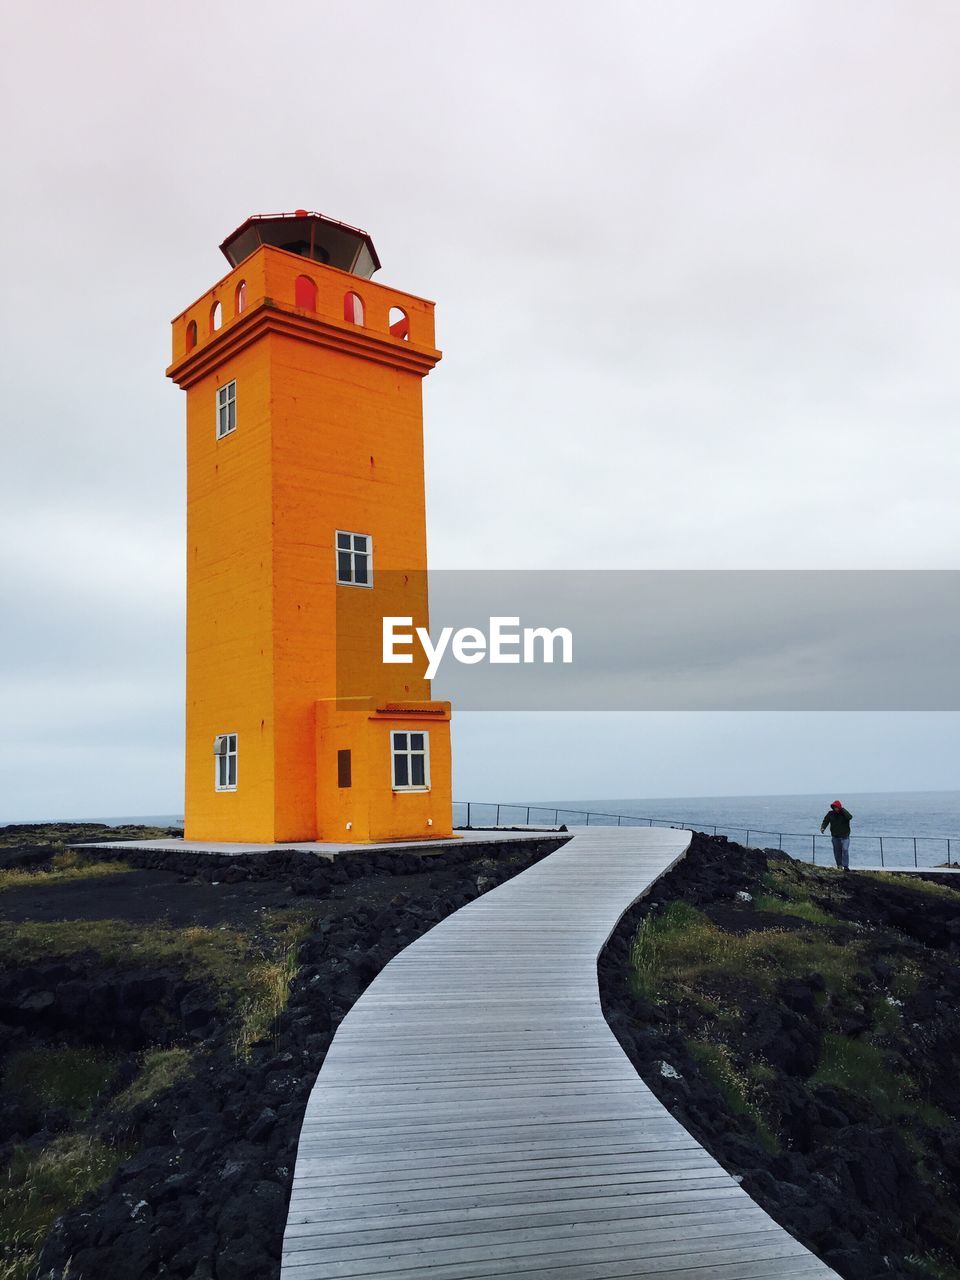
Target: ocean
x=890 y=828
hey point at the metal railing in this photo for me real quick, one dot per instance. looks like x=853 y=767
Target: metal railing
x=803 y=844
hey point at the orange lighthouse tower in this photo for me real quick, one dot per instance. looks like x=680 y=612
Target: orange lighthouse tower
x=306 y=526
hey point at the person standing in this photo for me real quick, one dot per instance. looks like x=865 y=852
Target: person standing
x=838 y=820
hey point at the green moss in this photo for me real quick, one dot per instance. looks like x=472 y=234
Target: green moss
x=39 y=1185
x=160 y=1070
x=60 y=1077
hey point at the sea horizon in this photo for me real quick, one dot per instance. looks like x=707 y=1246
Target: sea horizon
x=628 y=806
x=165 y=818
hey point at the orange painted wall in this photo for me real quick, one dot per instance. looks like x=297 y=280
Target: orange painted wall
x=373 y=810
x=347 y=454
x=394 y=815
x=229 y=605
x=329 y=437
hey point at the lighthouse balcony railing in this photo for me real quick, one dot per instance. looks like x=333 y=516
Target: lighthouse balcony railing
x=300 y=284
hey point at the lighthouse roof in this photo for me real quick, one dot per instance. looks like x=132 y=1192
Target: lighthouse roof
x=310 y=235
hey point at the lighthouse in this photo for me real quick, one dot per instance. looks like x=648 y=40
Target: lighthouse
x=306 y=527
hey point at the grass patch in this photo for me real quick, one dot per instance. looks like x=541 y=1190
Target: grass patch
x=934 y=1265
x=800 y=890
x=268 y=989
x=864 y=1069
x=217 y=954
x=915 y=884
x=682 y=949
x=161 y=1070
x=32 y=834
x=248 y=973
x=907 y=979
x=65 y=1077
x=66 y=866
x=803 y=910
x=859 y=1066
x=887 y=1016
x=39 y=1185
x=223 y=956
x=744 y=1094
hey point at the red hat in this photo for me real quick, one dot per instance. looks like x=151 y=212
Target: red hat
x=836 y=805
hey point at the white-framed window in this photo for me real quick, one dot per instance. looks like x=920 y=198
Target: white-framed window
x=226 y=409
x=410 y=756
x=225 y=761
x=354 y=559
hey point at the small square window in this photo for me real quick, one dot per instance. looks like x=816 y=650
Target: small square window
x=225 y=761
x=354 y=553
x=226 y=409
x=410 y=753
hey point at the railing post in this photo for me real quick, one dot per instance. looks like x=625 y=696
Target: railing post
x=747 y=841
x=780 y=840
x=882 y=863
x=468 y=815
x=619 y=819
x=813 y=841
x=915 y=863
x=497 y=823
x=528 y=815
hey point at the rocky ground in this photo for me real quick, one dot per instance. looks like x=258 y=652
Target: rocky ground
x=162 y=1021
x=161 y=1025
x=804 y=1025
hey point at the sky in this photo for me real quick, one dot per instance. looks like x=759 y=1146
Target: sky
x=696 y=278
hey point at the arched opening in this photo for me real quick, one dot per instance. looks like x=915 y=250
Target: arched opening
x=191 y=335
x=399 y=323
x=216 y=317
x=353 y=308
x=305 y=294
x=241 y=297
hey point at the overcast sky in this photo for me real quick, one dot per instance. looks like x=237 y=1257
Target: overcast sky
x=696 y=275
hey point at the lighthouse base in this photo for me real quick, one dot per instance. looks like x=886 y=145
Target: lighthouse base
x=383 y=771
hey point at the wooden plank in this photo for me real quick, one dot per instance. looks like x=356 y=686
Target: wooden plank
x=544 y=1214
x=476 y=1117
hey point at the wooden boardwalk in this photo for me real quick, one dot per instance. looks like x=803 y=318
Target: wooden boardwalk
x=476 y=1117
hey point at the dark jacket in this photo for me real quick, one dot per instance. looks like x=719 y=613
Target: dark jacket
x=838 y=821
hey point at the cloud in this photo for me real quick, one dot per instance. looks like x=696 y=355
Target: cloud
x=692 y=265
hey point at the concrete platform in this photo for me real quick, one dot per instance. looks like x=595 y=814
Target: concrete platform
x=494 y=836
x=912 y=871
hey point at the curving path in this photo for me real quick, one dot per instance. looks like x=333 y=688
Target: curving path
x=475 y=1115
